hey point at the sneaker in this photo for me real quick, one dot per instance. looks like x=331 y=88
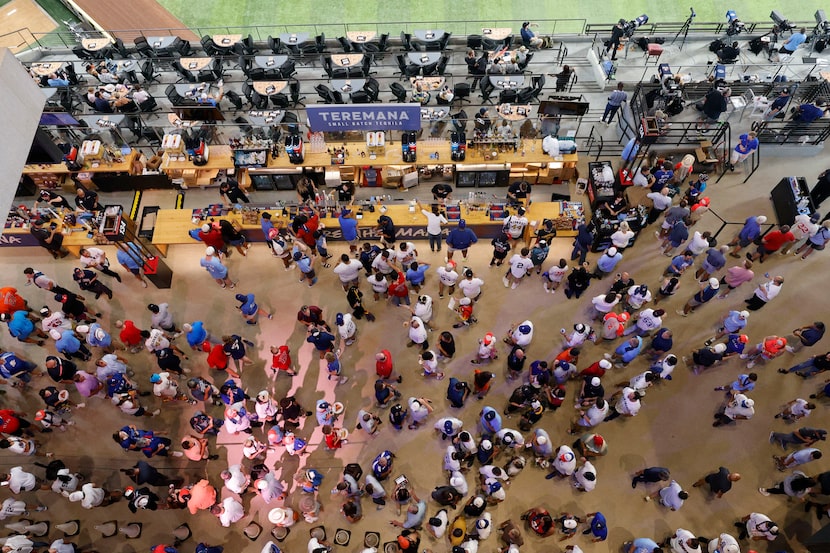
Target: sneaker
x=233 y=285
x=607 y=355
x=42 y=508
x=157 y=412
x=343 y=380
x=744 y=356
x=750 y=364
x=506 y=282
x=144 y=284
x=176 y=453
x=680 y=312
x=708 y=342
x=763 y=491
x=514 y=286
x=81 y=405
x=647 y=498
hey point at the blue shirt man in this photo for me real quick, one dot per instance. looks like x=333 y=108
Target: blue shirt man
x=98 y=337
x=608 y=260
x=382 y=465
x=197 y=334
x=461 y=238
x=54 y=80
x=265 y=224
x=680 y=263
x=130 y=259
x=249 y=306
x=628 y=350
x=67 y=343
x=795 y=40
x=348 y=225
x=214 y=267
x=735 y=343
x=807 y=113
x=735 y=321
x=490 y=421
x=322 y=340
x=751 y=230
x=11 y=365
x=415 y=273
x=20 y=326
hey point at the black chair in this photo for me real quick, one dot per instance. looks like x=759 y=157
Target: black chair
x=244 y=125
x=525 y=95
x=71 y=75
x=401 y=59
x=294 y=89
x=129 y=107
x=490 y=45
x=398 y=91
x=528 y=57
x=209 y=46
x=406 y=41
x=473 y=42
x=320 y=42
x=324 y=93
x=184 y=74
x=538 y=83
x=328 y=66
x=461 y=91
x=442 y=65
x=441 y=101
x=258 y=101
x=345 y=44
x=338 y=97
x=249 y=46
x=288 y=69
x=118 y=46
x=257 y=74
x=132 y=77
x=444 y=42
x=459 y=121
x=276 y=45
x=381 y=46
x=372 y=88
x=148 y=72
x=280 y=101
x=486 y=88
x=82 y=54
x=247 y=89
x=245 y=64
x=235 y=99
x=173 y=95
x=149 y=105
x=143 y=47
x=183 y=47
x=508 y=96
x=430 y=70
x=360 y=97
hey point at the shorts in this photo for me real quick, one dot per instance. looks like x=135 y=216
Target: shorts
x=451 y=249
x=723 y=281
x=763 y=251
x=694 y=303
x=708 y=267
x=135 y=271
x=310 y=275
x=818 y=247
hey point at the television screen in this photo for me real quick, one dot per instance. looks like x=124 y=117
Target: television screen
x=57 y=118
x=43 y=150
x=198 y=113
x=563 y=107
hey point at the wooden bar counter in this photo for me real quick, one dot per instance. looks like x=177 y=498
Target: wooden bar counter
x=173 y=225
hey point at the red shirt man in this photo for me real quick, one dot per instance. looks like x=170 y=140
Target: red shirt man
x=398 y=287
x=130 y=335
x=217 y=358
x=306 y=231
x=9 y=422
x=777 y=238
x=383 y=364
x=213 y=237
x=311 y=315
x=281 y=360
x=10 y=301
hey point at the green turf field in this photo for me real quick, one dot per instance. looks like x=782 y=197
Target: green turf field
x=207 y=13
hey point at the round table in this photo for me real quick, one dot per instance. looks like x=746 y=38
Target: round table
x=423 y=58
x=428 y=83
x=517 y=112
x=95 y=44
x=361 y=37
x=267 y=88
x=270 y=62
x=346 y=60
x=347 y=86
x=507 y=82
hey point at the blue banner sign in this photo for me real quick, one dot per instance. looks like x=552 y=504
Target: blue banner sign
x=364 y=117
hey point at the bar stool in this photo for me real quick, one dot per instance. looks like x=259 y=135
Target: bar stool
x=655 y=51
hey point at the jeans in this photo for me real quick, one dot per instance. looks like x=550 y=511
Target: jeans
x=579 y=251
x=434 y=242
x=807 y=368
x=610 y=111
x=397 y=300
x=784 y=439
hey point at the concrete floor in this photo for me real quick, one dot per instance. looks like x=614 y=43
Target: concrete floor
x=673 y=429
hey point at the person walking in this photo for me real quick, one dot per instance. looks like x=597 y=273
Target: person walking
x=460 y=238
x=765 y=293
x=719 y=482
x=615 y=100
x=213 y=265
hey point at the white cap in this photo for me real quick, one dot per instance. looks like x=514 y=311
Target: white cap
x=605 y=364
x=749 y=403
x=612 y=251
x=541 y=440
x=277 y=515
x=187 y=327
x=465 y=301
x=595 y=381
x=745 y=314
x=714 y=283
x=760 y=219
x=569 y=523
x=457 y=480
x=82 y=329
x=76 y=496
x=210 y=250
x=262 y=484
x=55 y=334
x=206 y=228
x=100 y=334
x=731 y=548
x=719 y=348
x=263 y=396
